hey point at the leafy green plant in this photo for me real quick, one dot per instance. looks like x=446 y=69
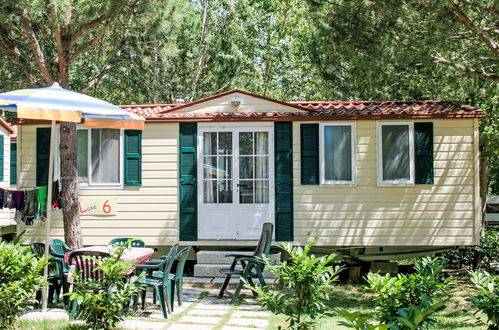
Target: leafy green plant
x=487 y=299
x=103 y=303
x=303 y=282
x=411 y=318
x=404 y=291
x=20 y=279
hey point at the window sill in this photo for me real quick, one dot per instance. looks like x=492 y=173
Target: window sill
x=103 y=187
x=396 y=184
x=338 y=184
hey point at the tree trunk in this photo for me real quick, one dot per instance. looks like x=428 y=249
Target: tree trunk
x=69 y=180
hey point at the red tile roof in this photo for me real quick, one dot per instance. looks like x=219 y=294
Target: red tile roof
x=316 y=110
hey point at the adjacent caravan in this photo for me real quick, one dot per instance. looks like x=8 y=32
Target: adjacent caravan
x=366 y=175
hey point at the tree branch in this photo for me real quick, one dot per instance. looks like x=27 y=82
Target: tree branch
x=105 y=71
x=12 y=50
x=35 y=47
x=466 y=70
x=86 y=28
x=98 y=37
x=491 y=44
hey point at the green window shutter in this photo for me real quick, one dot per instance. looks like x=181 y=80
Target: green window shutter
x=133 y=157
x=283 y=145
x=2 y=158
x=42 y=155
x=309 y=153
x=13 y=163
x=423 y=147
x=188 y=221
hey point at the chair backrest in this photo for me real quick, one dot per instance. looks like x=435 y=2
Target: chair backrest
x=59 y=246
x=82 y=260
x=124 y=240
x=265 y=242
x=182 y=258
x=38 y=249
x=166 y=266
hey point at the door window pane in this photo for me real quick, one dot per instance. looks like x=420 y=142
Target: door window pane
x=246 y=143
x=224 y=191
x=246 y=191
x=262 y=167
x=225 y=143
x=209 y=167
x=262 y=143
x=210 y=191
x=337 y=153
x=245 y=167
x=395 y=152
x=261 y=191
x=210 y=143
x=224 y=168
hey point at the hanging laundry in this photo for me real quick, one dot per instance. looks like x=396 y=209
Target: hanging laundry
x=18 y=198
x=30 y=206
x=56 y=195
x=8 y=202
x=42 y=198
x=1 y=197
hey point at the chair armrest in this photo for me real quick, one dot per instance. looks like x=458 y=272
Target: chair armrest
x=250 y=259
x=148 y=266
x=55 y=254
x=237 y=255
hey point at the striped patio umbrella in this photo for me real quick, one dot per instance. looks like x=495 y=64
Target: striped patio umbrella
x=58 y=104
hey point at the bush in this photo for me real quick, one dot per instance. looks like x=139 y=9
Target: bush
x=412 y=317
x=404 y=291
x=487 y=299
x=102 y=303
x=303 y=283
x=20 y=279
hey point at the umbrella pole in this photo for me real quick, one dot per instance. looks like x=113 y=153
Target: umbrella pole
x=49 y=215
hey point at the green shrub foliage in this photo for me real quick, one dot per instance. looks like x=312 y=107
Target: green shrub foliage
x=20 y=279
x=487 y=298
x=303 y=282
x=407 y=292
x=103 y=303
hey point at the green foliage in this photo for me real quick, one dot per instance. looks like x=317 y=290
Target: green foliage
x=102 y=302
x=20 y=278
x=404 y=291
x=303 y=282
x=487 y=298
x=358 y=320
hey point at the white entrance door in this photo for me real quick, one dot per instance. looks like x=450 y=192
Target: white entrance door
x=235 y=181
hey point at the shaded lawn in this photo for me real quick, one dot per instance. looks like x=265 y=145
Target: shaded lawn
x=457 y=315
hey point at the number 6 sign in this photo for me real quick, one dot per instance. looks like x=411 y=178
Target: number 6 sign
x=97 y=205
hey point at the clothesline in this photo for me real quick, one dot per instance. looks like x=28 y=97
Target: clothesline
x=30 y=204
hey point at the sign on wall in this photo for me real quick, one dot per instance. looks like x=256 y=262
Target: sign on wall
x=97 y=205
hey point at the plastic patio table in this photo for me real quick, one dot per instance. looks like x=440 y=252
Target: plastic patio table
x=138 y=254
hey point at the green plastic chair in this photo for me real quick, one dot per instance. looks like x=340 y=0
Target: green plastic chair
x=57 y=249
x=162 y=286
x=252 y=266
x=56 y=279
x=177 y=278
x=124 y=240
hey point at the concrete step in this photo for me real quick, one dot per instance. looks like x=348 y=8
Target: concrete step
x=219 y=258
x=215 y=283
x=213 y=270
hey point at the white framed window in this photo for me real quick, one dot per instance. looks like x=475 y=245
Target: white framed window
x=99 y=157
x=395 y=145
x=337 y=156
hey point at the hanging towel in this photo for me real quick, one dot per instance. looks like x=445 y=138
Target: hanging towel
x=8 y=202
x=18 y=198
x=42 y=198
x=30 y=206
x=2 y=191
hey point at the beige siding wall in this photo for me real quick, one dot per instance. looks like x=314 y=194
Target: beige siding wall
x=5 y=219
x=148 y=212
x=368 y=215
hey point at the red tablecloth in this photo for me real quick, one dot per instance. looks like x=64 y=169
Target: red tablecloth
x=138 y=254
